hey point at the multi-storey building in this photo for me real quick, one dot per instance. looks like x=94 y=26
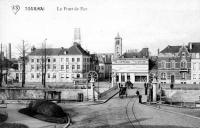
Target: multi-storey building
x=62 y=65
x=105 y=65
x=195 y=62
x=174 y=65
x=132 y=65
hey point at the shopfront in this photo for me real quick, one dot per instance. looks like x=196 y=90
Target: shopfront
x=133 y=69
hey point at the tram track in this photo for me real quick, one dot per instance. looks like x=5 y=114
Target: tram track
x=132 y=113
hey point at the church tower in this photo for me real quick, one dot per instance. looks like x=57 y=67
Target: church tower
x=118 y=46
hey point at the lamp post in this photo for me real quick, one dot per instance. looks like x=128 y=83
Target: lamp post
x=92 y=87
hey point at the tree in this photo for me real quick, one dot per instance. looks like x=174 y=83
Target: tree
x=23 y=50
x=44 y=65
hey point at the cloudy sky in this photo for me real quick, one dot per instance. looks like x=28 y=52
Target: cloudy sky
x=141 y=23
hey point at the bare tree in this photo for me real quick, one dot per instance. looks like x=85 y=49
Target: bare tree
x=23 y=50
x=44 y=65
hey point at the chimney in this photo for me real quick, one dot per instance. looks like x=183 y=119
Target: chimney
x=9 y=51
x=77 y=35
x=158 y=51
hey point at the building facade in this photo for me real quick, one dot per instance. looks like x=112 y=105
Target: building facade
x=133 y=65
x=174 y=65
x=195 y=62
x=105 y=65
x=62 y=65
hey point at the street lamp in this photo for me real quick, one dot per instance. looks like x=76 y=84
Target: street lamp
x=92 y=81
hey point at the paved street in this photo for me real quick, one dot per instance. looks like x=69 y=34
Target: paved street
x=113 y=114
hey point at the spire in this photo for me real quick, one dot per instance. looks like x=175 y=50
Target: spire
x=118 y=36
x=77 y=35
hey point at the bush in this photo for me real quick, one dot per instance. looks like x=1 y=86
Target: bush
x=46 y=111
x=3 y=117
x=12 y=125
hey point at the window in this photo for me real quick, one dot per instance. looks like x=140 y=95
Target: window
x=122 y=78
x=48 y=60
x=54 y=75
x=32 y=75
x=183 y=64
x=78 y=75
x=67 y=76
x=67 y=59
x=117 y=78
x=102 y=68
x=38 y=66
x=163 y=76
x=32 y=60
x=48 y=66
x=62 y=76
x=48 y=75
x=172 y=64
x=163 y=65
x=183 y=75
x=61 y=59
x=62 y=67
x=183 y=54
x=78 y=66
x=54 y=66
x=194 y=66
x=194 y=76
x=73 y=59
x=32 y=67
x=78 y=59
x=67 y=66
x=38 y=60
x=199 y=66
x=38 y=75
x=73 y=66
x=54 y=59
x=128 y=76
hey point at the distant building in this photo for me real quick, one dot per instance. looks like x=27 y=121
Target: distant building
x=62 y=64
x=105 y=65
x=194 y=48
x=132 y=65
x=174 y=65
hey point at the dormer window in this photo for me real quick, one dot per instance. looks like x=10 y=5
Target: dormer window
x=183 y=54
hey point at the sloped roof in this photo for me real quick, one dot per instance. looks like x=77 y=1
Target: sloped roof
x=171 y=49
x=141 y=54
x=75 y=49
x=49 y=51
x=195 y=47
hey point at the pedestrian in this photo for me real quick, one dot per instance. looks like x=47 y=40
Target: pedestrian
x=145 y=87
x=140 y=99
x=172 y=86
x=137 y=93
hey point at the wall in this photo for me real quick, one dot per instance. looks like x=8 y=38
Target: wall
x=66 y=94
x=183 y=95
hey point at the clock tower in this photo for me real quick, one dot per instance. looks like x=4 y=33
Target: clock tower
x=118 y=46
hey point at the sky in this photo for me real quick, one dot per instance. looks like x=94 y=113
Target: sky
x=141 y=23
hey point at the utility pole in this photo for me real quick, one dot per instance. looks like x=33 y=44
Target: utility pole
x=6 y=77
x=1 y=72
x=23 y=64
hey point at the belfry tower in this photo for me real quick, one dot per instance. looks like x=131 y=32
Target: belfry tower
x=118 y=46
